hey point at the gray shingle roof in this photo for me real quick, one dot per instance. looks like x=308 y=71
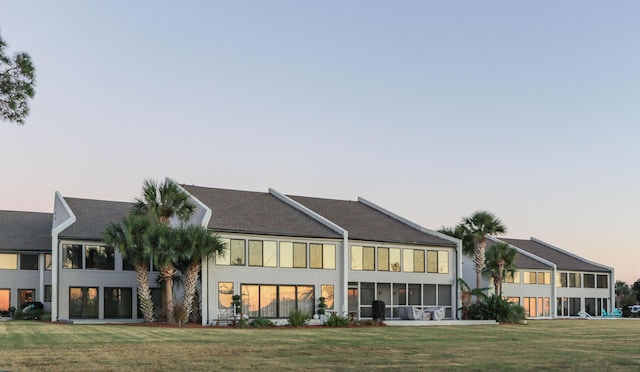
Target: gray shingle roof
x=257 y=213
x=25 y=231
x=92 y=216
x=562 y=260
x=366 y=223
x=525 y=262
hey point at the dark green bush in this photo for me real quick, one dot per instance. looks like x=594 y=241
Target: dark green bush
x=18 y=315
x=260 y=323
x=496 y=308
x=336 y=320
x=298 y=318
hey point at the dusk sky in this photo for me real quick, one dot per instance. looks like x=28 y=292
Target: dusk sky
x=432 y=109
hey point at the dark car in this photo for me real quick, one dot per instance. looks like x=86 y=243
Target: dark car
x=33 y=310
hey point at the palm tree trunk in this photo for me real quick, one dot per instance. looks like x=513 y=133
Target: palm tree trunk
x=189 y=284
x=144 y=293
x=167 y=273
x=479 y=260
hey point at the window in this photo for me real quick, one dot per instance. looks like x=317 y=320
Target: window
x=225 y=294
x=438 y=262
x=415 y=294
x=5 y=301
x=127 y=265
x=47 y=293
x=362 y=258
x=590 y=305
x=28 y=262
x=444 y=295
x=530 y=307
x=544 y=308
x=383 y=259
x=529 y=277
x=83 y=302
x=574 y=306
x=322 y=256
x=234 y=253
x=26 y=295
x=8 y=261
x=413 y=260
x=544 y=278
x=72 y=256
x=326 y=291
x=271 y=301
x=47 y=261
x=514 y=300
x=562 y=280
x=300 y=255
x=99 y=257
x=389 y=259
x=603 y=281
x=590 y=282
x=262 y=253
x=574 y=280
x=118 y=303
x=286 y=254
x=514 y=278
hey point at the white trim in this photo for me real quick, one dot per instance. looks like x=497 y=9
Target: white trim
x=328 y=223
x=524 y=252
x=55 y=260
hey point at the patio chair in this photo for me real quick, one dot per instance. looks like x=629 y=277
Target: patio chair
x=606 y=314
x=584 y=314
x=617 y=313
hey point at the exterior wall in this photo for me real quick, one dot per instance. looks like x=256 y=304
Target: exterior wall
x=100 y=279
x=446 y=280
x=537 y=298
x=584 y=297
x=250 y=275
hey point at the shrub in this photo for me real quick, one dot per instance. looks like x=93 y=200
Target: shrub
x=336 y=320
x=496 y=308
x=18 y=315
x=260 y=323
x=242 y=323
x=298 y=318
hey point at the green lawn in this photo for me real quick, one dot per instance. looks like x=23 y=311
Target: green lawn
x=612 y=344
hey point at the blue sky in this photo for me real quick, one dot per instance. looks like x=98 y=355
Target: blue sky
x=432 y=109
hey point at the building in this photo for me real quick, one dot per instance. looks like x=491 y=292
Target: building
x=284 y=252
x=25 y=259
x=553 y=283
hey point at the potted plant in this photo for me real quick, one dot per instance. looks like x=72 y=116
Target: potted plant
x=236 y=303
x=322 y=306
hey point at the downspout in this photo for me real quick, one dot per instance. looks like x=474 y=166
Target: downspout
x=554 y=292
x=458 y=309
x=612 y=291
x=41 y=268
x=345 y=271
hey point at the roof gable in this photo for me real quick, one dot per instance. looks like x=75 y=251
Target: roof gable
x=366 y=223
x=25 y=231
x=93 y=216
x=257 y=213
x=522 y=261
x=562 y=260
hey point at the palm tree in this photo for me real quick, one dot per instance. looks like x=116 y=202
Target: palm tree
x=162 y=202
x=499 y=263
x=459 y=232
x=478 y=226
x=196 y=243
x=131 y=238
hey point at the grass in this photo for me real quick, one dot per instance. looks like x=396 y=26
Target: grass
x=549 y=345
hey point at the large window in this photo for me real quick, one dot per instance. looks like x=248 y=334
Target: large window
x=117 y=303
x=562 y=280
x=8 y=261
x=83 y=302
x=529 y=277
x=272 y=301
x=5 y=301
x=99 y=257
x=544 y=278
x=530 y=307
x=322 y=256
x=263 y=253
x=28 y=262
x=72 y=256
x=47 y=261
